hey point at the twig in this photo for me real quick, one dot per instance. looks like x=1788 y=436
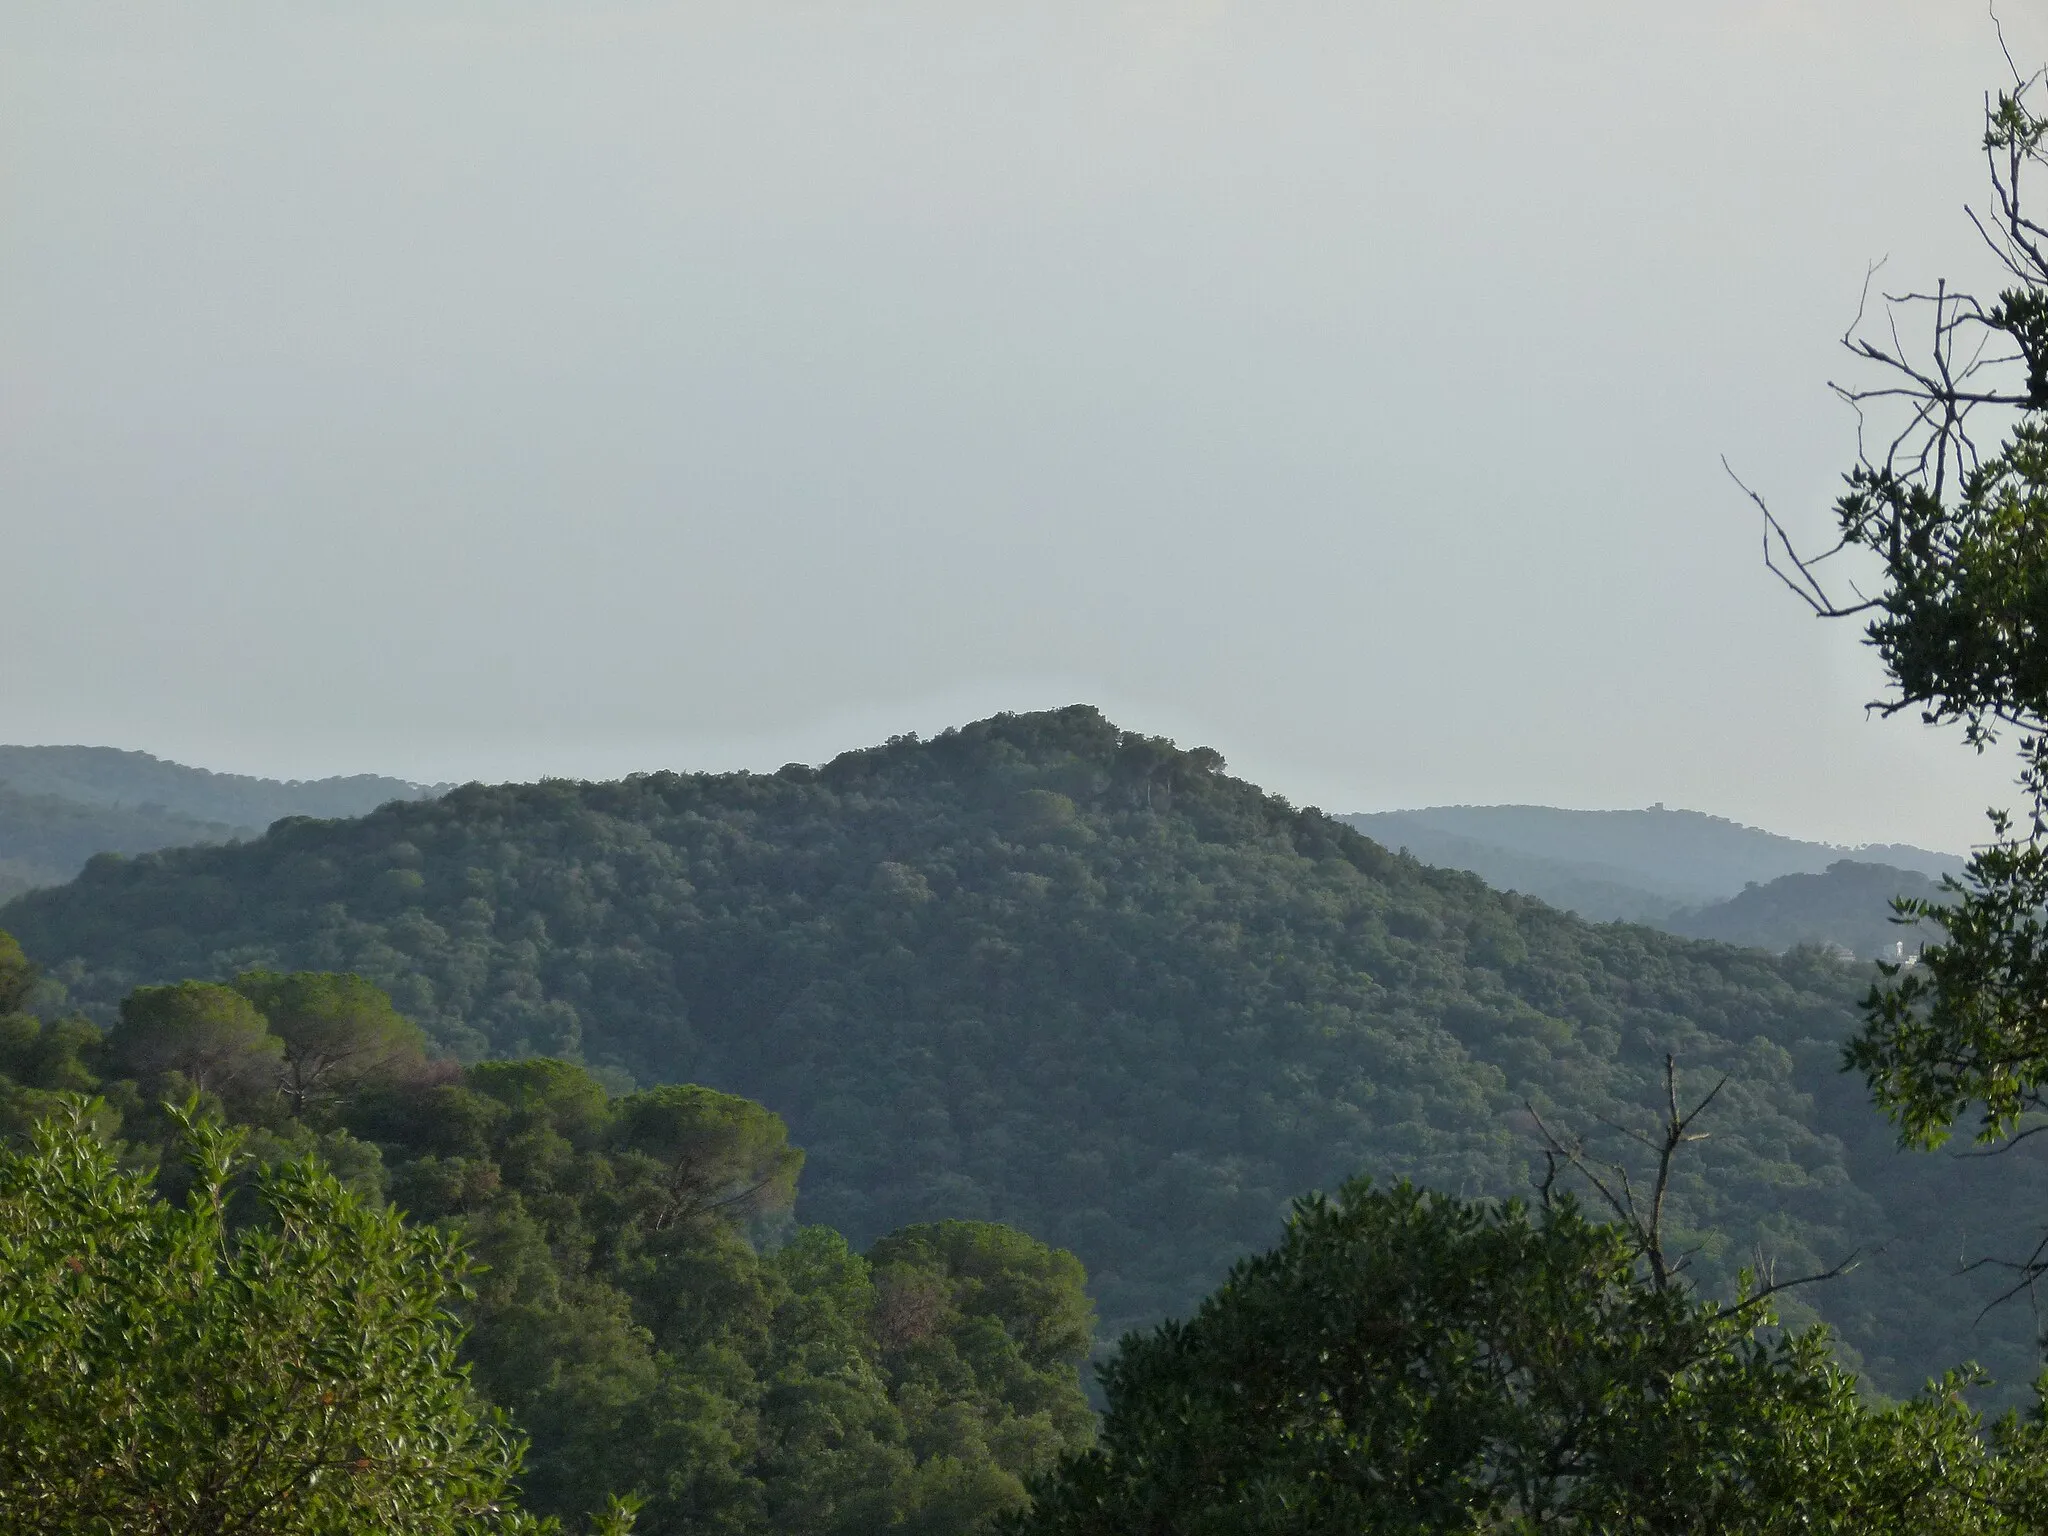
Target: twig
x=1645 y=1220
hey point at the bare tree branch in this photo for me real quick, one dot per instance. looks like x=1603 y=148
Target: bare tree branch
x=1644 y=1218
x=1804 y=585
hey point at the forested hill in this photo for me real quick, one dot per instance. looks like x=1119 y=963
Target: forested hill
x=1848 y=905
x=1047 y=972
x=46 y=839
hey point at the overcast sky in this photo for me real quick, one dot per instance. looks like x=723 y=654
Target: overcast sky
x=497 y=389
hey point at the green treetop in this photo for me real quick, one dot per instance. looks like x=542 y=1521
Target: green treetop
x=1410 y=1362
x=334 y=1032
x=196 y=1035
x=165 y=1371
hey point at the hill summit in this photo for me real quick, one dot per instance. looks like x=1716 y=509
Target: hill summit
x=1043 y=970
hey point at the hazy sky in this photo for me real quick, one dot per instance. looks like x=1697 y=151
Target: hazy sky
x=496 y=389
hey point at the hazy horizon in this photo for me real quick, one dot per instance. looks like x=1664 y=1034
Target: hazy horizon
x=481 y=391
x=764 y=766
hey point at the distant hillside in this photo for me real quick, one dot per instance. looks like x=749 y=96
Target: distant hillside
x=45 y=839
x=1639 y=866
x=1598 y=892
x=1048 y=972
x=1849 y=904
x=111 y=777
x=61 y=805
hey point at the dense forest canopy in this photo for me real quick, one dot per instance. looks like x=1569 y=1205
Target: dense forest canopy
x=647 y=1311
x=1404 y=1361
x=266 y=1326
x=1043 y=971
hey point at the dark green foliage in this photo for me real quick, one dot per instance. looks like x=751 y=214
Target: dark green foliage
x=1955 y=523
x=17 y=976
x=195 y=1035
x=711 y=1154
x=630 y=1324
x=39 y=1062
x=161 y=1372
x=1406 y=1362
x=1963 y=1029
x=1962 y=627
x=647 y=1311
x=968 y=1310
x=1044 y=972
x=1959 y=624
x=334 y=1032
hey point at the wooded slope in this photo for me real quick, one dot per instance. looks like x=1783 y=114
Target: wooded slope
x=1044 y=971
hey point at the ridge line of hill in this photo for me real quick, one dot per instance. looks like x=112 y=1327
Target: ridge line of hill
x=60 y=806
x=1043 y=970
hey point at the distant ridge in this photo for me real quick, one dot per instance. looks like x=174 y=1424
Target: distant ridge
x=59 y=806
x=1847 y=907
x=111 y=776
x=1640 y=865
x=46 y=839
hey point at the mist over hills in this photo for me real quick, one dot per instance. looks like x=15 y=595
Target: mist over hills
x=61 y=805
x=109 y=776
x=1635 y=866
x=1043 y=970
x=46 y=839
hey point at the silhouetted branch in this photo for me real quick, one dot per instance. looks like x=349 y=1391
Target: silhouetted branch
x=2003 y=1147
x=1801 y=578
x=1644 y=1219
